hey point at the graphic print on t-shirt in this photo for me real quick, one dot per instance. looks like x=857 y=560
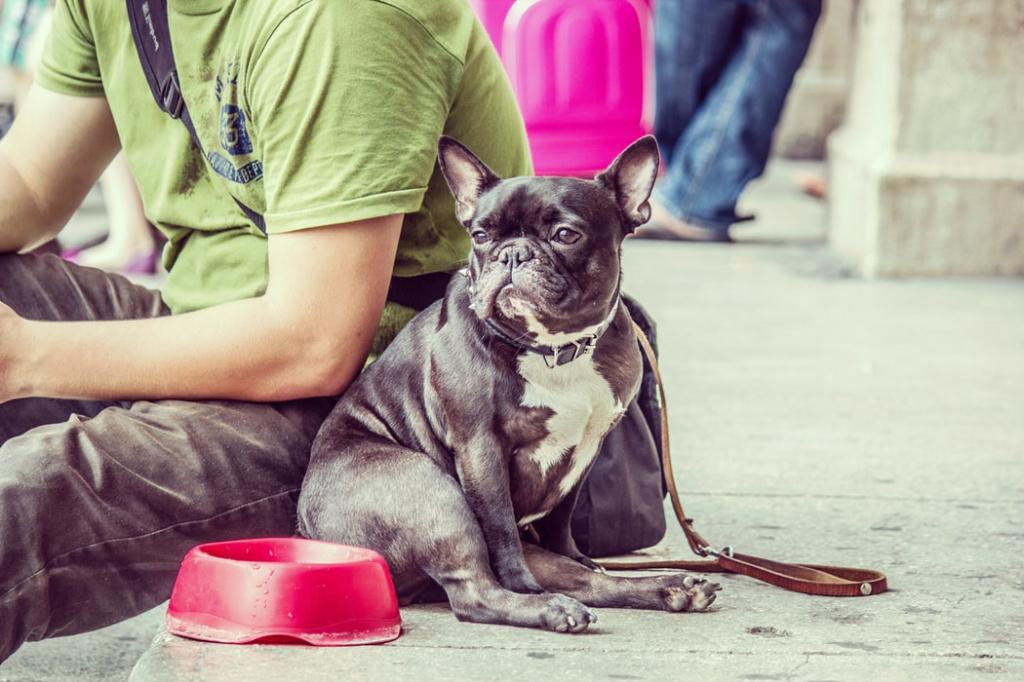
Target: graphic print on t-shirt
x=234 y=137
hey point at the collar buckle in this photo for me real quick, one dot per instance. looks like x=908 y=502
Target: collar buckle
x=563 y=355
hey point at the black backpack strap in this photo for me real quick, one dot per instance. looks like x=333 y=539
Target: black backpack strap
x=152 y=35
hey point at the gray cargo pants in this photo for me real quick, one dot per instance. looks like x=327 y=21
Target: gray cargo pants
x=99 y=501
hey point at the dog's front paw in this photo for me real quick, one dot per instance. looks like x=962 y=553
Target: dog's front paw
x=688 y=593
x=565 y=614
x=519 y=580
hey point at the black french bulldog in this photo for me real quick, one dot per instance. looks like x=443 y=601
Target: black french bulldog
x=488 y=409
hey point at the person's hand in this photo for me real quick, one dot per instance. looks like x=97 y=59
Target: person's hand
x=12 y=333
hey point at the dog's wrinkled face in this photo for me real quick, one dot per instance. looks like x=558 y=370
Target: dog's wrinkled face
x=545 y=259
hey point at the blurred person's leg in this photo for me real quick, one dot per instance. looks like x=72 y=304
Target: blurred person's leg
x=100 y=501
x=727 y=142
x=129 y=246
x=693 y=40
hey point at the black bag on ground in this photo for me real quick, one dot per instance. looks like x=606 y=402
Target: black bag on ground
x=620 y=508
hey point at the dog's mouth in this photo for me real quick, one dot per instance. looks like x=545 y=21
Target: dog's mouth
x=514 y=301
x=510 y=303
x=518 y=296
x=553 y=315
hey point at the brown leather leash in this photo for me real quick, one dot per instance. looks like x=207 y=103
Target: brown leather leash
x=827 y=581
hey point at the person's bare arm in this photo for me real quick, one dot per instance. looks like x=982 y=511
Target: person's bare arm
x=51 y=157
x=308 y=335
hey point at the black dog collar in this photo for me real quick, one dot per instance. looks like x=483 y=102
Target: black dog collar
x=554 y=356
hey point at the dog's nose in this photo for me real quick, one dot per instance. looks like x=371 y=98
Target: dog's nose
x=515 y=254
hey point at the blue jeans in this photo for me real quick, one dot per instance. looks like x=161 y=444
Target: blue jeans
x=722 y=72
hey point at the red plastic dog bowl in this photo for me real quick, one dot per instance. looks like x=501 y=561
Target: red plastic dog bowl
x=284 y=590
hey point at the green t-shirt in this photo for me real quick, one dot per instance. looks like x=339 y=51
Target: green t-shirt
x=312 y=112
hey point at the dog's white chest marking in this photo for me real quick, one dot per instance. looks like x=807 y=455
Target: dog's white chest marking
x=584 y=409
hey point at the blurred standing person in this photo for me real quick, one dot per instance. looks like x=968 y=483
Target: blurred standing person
x=129 y=246
x=722 y=73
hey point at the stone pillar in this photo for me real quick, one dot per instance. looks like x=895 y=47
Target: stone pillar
x=815 y=105
x=926 y=176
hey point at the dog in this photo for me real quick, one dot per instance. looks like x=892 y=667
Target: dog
x=487 y=411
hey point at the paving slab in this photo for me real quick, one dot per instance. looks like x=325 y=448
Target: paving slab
x=105 y=655
x=535 y=659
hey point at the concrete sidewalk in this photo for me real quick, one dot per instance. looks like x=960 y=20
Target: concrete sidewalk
x=815 y=418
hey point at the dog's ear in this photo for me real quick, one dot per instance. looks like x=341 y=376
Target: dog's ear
x=468 y=177
x=630 y=177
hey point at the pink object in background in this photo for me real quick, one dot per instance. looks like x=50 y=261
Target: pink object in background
x=582 y=73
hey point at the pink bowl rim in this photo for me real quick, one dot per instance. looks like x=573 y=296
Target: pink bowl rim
x=361 y=555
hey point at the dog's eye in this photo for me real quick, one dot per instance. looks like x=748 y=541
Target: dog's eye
x=480 y=237
x=566 y=236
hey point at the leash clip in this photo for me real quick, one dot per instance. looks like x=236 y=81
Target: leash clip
x=711 y=551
